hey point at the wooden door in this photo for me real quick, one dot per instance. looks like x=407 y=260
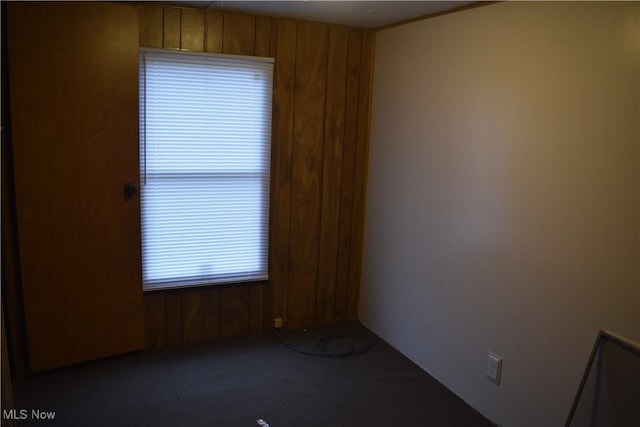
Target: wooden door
x=73 y=70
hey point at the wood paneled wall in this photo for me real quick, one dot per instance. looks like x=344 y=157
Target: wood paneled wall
x=13 y=310
x=320 y=140
x=320 y=137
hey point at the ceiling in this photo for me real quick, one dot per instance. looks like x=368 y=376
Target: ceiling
x=367 y=14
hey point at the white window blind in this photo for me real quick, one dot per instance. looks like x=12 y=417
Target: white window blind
x=205 y=137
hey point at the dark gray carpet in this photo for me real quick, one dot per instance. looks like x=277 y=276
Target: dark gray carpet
x=236 y=382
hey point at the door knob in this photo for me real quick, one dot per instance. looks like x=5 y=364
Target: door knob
x=130 y=189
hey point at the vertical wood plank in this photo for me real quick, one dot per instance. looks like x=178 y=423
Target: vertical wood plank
x=348 y=174
x=192 y=316
x=171 y=21
x=6 y=391
x=263 y=36
x=150 y=22
x=211 y=313
x=192 y=30
x=156 y=321
x=310 y=92
x=256 y=308
x=214 y=25
x=283 y=48
x=332 y=174
x=13 y=323
x=360 y=178
x=234 y=316
x=173 y=312
x=239 y=34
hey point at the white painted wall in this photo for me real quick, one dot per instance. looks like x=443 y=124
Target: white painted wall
x=504 y=197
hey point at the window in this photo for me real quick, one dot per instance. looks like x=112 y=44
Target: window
x=205 y=136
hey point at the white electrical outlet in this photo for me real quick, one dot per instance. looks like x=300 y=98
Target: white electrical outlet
x=277 y=322
x=494 y=368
